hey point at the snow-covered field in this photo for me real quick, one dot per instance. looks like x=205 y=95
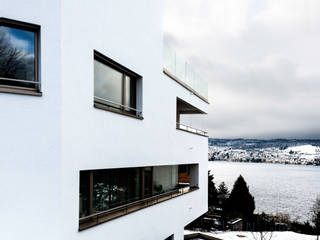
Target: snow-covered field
x=249 y=236
x=304 y=149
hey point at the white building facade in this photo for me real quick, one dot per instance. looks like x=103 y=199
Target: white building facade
x=92 y=146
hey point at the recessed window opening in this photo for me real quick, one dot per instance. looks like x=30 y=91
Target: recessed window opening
x=116 y=87
x=19 y=55
x=102 y=191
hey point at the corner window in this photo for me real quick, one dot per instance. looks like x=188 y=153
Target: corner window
x=116 y=88
x=19 y=57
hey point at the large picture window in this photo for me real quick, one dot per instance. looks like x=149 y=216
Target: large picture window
x=110 y=193
x=19 y=57
x=116 y=88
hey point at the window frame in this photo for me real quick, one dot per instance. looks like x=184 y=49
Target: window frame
x=36 y=29
x=134 y=112
x=93 y=219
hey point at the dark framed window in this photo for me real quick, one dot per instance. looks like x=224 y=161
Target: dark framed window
x=19 y=57
x=109 y=193
x=105 y=189
x=116 y=88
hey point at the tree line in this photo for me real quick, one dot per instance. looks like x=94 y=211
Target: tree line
x=240 y=203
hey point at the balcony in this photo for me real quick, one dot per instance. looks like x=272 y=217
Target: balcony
x=180 y=71
x=191 y=130
x=187 y=110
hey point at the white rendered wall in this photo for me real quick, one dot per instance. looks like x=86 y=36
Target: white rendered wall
x=30 y=128
x=128 y=32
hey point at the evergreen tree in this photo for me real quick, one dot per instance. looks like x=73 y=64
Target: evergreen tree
x=212 y=190
x=223 y=189
x=316 y=216
x=241 y=202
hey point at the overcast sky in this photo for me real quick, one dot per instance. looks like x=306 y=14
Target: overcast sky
x=261 y=59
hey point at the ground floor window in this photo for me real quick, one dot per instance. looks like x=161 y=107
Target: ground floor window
x=107 y=189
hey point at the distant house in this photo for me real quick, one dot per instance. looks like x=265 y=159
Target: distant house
x=235 y=224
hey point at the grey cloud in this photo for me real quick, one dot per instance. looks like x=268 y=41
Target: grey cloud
x=264 y=79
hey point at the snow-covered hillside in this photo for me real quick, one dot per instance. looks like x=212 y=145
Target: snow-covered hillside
x=303 y=154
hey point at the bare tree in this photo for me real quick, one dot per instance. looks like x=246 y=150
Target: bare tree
x=262 y=235
x=262 y=228
x=14 y=63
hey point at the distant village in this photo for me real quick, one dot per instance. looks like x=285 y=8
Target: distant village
x=301 y=155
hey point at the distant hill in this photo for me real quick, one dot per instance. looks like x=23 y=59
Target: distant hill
x=286 y=151
x=247 y=144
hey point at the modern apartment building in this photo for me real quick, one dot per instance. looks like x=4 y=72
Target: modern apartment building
x=92 y=142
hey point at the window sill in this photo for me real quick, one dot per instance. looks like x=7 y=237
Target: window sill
x=102 y=217
x=20 y=90
x=110 y=109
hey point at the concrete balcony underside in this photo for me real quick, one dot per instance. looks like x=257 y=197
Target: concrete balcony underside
x=185 y=108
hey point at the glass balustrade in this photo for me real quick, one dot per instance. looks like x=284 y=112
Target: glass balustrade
x=178 y=67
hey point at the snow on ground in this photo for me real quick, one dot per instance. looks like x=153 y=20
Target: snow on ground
x=304 y=149
x=249 y=236
x=275 y=236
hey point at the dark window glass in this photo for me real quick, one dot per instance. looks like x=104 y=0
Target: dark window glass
x=18 y=56
x=147 y=181
x=84 y=204
x=101 y=190
x=115 y=187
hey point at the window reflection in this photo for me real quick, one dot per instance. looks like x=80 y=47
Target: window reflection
x=101 y=190
x=17 y=57
x=165 y=178
x=107 y=83
x=114 y=85
x=115 y=187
